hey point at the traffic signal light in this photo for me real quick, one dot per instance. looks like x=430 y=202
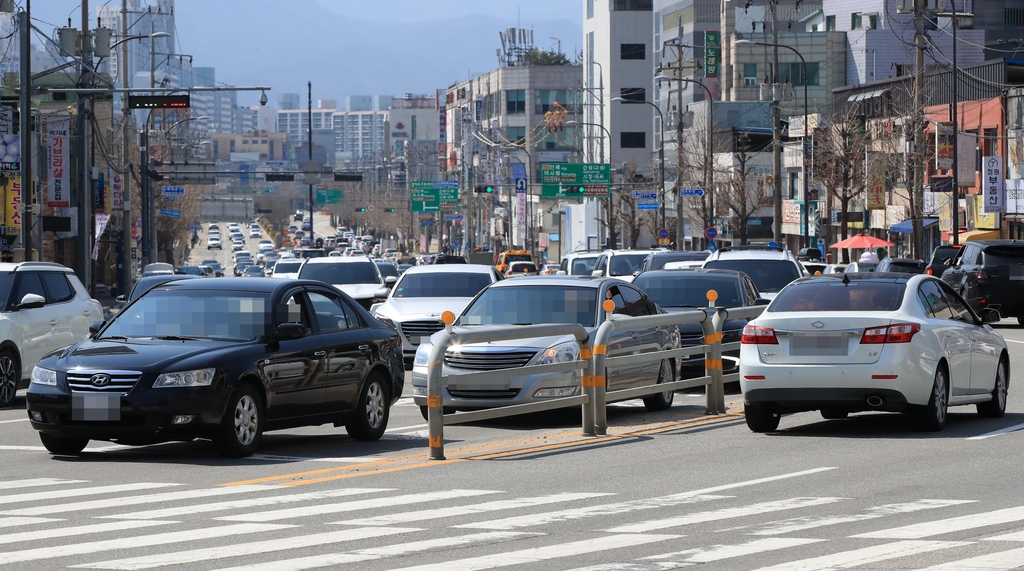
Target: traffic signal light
x=484 y=189
x=270 y=190
x=361 y=209
x=574 y=190
x=389 y=210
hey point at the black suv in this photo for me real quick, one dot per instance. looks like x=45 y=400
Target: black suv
x=988 y=273
x=938 y=265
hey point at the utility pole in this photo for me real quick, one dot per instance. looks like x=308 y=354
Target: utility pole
x=84 y=254
x=919 y=141
x=309 y=114
x=25 y=128
x=955 y=193
x=776 y=131
x=127 y=245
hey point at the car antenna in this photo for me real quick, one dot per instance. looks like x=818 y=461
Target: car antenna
x=846 y=280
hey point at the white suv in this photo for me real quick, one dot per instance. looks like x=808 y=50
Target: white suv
x=578 y=264
x=45 y=308
x=622 y=264
x=770 y=267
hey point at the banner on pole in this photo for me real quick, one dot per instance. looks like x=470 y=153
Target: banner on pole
x=58 y=191
x=992 y=184
x=101 y=226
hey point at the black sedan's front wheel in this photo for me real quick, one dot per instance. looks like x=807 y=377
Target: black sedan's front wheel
x=242 y=426
x=370 y=418
x=63 y=445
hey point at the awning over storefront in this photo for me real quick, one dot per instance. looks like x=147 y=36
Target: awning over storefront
x=868 y=95
x=979 y=235
x=907 y=227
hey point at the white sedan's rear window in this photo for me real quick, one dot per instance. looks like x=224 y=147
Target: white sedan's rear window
x=834 y=295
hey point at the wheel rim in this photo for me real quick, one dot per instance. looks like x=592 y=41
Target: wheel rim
x=940 y=396
x=246 y=420
x=1001 y=386
x=8 y=379
x=663 y=377
x=374 y=405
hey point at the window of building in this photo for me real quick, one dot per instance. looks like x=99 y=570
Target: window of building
x=545 y=99
x=1013 y=17
x=632 y=5
x=590 y=9
x=794 y=183
x=794 y=73
x=749 y=75
x=517 y=135
x=873 y=21
x=232 y=146
x=633 y=140
x=632 y=51
x=633 y=93
x=515 y=101
x=855 y=21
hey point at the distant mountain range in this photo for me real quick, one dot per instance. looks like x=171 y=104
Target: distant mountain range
x=357 y=47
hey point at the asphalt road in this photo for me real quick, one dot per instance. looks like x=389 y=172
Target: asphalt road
x=662 y=491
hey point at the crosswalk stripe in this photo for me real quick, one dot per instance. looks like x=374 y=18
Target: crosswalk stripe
x=1015 y=536
x=122 y=501
x=375 y=503
x=77 y=530
x=1001 y=561
x=76 y=492
x=545 y=518
x=725 y=513
x=421 y=515
x=245 y=504
x=805 y=523
x=370 y=554
x=720 y=552
x=22 y=521
x=534 y=555
x=864 y=556
x=53 y=552
x=250 y=548
x=938 y=527
x=34 y=482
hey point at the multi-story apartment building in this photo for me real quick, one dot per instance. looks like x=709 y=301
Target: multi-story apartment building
x=295 y=122
x=267 y=146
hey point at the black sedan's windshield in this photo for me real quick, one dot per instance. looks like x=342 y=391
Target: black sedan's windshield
x=441 y=285
x=342 y=273
x=201 y=314
x=529 y=305
x=690 y=289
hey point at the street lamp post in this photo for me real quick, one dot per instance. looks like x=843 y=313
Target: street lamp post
x=803 y=164
x=661 y=150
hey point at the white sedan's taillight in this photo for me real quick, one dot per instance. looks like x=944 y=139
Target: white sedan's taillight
x=896 y=333
x=754 y=335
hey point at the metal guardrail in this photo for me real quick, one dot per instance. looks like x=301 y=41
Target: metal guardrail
x=593 y=361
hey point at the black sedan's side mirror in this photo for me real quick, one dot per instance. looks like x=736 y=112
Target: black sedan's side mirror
x=762 y=301
x=989 y=315
x=95 y=327
x=289 y=331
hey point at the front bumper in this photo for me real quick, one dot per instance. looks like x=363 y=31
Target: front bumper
x=482 y=395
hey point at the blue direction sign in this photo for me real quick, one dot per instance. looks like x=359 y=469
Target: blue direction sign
x=711 y=233
x=173 y=190
x=691 y=192
x=426 y=222
x=647 y=206
x=194 y=228
x=645 y=195
x=452 y=217
x=170 y=213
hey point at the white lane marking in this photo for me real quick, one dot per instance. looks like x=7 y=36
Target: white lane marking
x=121 y=501
x=805 y=523
x=939 y=527
x=1012 y=341
x=874 y=554
x=338 y=459
x=23 y=448
x=33 y=482
x=398 y=429
x=499 y=505
x=375 y=503
x=1013 y=428
x=1014 y=536
x=720 y=552
x=548 y=552
x=77 y=530
x=23 y=521
x=76 y=492
x=245 y=549
x=725 y=513
x=337 y=559
x=531 y=520
x=245 y=504
x=1001 y=561
x=15 y=420
x=55 y=551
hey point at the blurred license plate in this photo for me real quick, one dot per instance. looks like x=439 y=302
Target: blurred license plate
x=819 y=344
x=95 y=406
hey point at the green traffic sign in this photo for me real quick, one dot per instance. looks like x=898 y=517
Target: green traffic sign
x=329 y=196
x=575 y=190
x=576 y=173
x=428 y=195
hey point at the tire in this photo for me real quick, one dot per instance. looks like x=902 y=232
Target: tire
x=242 y=426
x=63 y=445
x=833 y=414
x=761 y=418
x=661 y=401
x=996 y=407
x=10 y=375
x=1020 y=321
x=932 y=417
x=370 y=418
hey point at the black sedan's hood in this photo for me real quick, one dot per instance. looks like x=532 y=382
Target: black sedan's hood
x=695 y=329
x=145 y=355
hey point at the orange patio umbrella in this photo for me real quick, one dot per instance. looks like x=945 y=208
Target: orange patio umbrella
x=861 y=241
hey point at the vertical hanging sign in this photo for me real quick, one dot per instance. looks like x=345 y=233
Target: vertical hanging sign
x=992 y=184
x=876 y=181
x=58 y=192
x=712 y=42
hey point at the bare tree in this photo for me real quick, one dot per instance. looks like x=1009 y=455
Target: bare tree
x=839 y=165
x=739 y=191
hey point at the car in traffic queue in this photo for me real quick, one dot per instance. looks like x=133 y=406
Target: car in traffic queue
x=849 y=343
x=622 y=264
x=213 y=241
x=218 y=270
x=657 y=259
x=989 y=273
x=578 y=264
x=901 y=266
x=357 y=277
x=287 y=268
x=770 y=267
x=223 y=360
x=546 y=300
x=687 y=289
x=518 y=269
x=415 y=304
x=942 y=257
x=508 y=256
x=44 y=307
x=387 y=269
x=142 y=285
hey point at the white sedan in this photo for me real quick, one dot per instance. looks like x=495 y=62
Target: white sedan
x=871 y=342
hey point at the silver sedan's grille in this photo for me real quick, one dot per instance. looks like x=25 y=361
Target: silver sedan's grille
x=413 y=330
x=488 y=361
x=119 y=381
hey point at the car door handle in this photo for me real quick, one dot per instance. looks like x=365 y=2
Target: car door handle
x=364 y=347
x=320 y=354
x=53 y=322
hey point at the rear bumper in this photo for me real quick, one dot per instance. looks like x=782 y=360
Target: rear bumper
x=848 y=399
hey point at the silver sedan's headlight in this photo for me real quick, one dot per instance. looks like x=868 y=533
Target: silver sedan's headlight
x=42 y=376
x=197 y=378
x=422 y=355
x=561 y=353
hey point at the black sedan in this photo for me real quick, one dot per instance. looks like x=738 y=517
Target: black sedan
x=677 y=290
x=223 y=360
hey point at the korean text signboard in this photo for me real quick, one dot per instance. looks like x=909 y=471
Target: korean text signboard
x=876 y=181
x=992 y=184
x=711 y=45
x=564 y=179
x=58 y=191
x=428 y=195
x=944 y=148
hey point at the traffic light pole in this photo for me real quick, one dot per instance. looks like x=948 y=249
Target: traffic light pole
x=309 y=111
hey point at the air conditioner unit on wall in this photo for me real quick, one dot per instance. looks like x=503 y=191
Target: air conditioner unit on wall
x=933 y=6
